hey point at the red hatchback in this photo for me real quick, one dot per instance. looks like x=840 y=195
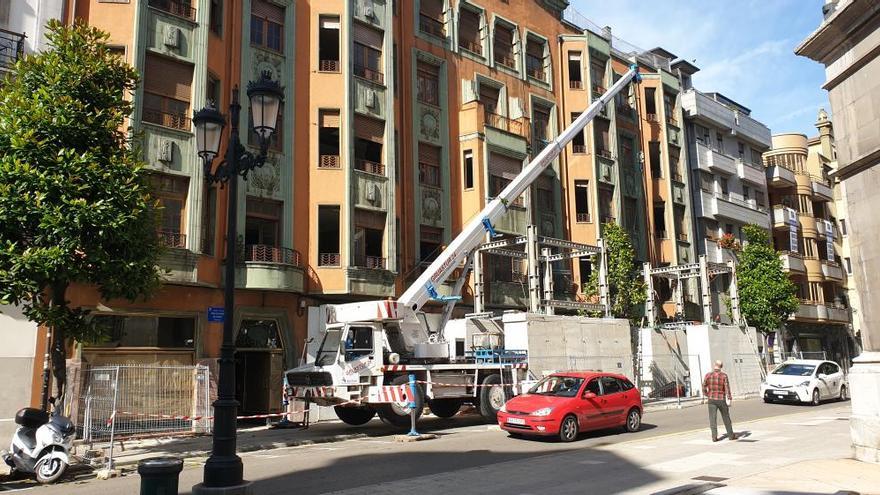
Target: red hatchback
x=568 y=403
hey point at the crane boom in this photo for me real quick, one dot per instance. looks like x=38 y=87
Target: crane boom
x=420 y=292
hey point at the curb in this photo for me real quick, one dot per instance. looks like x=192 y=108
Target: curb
x=690 y=402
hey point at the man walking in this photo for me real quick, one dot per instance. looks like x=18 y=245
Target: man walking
x=716 y=387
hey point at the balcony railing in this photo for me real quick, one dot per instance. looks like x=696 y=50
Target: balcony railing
x=579 y=149
x=328 y=66
x=329 y=161
x=369 y=74
x=503 y=123
x=573 y=84
x=329 y=259
x=682 y=236
x=11 y=48
x=505 y=59
x=370 y=262
x=172 y=239
x=653 y=118
x=429 y=25
x=605 y=154
x=370 y=167
x=262 y=253
x=174 y=120
x=539 y=73
x=471 y=46
x=176 y=7
x=582 y=217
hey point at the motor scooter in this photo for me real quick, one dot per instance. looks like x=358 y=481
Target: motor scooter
x=41 y=444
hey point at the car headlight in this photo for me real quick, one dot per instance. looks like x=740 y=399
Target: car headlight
x=503 y=408
x=804 y=384
x=543 y=412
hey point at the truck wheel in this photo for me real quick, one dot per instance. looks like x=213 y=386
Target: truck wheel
x=444 y=408
x=354 y=416
x=492 y=397
x=398 y=415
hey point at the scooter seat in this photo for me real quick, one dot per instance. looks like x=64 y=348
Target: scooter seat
x=31 y=417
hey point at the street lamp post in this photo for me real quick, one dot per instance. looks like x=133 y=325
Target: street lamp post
x=224 y=470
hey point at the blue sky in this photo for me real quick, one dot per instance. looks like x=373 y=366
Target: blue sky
x=744 y=49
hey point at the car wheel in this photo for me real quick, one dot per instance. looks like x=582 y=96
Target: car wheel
x=843 y=395
x=568 y=430
x=633 y=420
x=816 y=401
x=768 y=400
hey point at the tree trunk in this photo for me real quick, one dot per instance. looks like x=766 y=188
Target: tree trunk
x=59 y=347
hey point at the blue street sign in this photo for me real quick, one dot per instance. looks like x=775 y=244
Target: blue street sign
x=216 y=314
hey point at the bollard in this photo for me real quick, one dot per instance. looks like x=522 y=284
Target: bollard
x=412 y=406
x=159 y=475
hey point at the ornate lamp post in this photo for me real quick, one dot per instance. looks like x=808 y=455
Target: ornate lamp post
x=224 y=469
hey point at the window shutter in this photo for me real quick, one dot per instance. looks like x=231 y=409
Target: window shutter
x=469 y=21
x=268 y=11
x=329 y=118
x=368 y=36
x=504 y=166
x=166 y=77
x=369 y=219
x=432 y=8
x=429 y=155
x=535 y=48
x=369 y=129
x=503 y=35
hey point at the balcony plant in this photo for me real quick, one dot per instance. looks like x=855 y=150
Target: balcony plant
x=728 y=241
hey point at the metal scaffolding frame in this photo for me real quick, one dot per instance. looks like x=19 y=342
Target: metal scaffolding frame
x=538 y=249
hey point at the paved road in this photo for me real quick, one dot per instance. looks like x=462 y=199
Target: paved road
x=483 y=456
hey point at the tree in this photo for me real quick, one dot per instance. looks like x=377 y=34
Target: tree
x=626 y=289
x=766 y=295
x=75 y=201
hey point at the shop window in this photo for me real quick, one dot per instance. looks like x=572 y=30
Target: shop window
x=147 y=331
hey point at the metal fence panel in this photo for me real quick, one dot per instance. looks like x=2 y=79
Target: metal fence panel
x=134 y=400
x=671 y=376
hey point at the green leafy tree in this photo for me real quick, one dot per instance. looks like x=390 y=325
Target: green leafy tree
x=626 y=289
x=767 y=296
x=75 y=201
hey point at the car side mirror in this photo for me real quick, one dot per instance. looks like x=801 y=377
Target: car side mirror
x=589 y=395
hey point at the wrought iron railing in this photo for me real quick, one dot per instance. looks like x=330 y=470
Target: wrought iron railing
x=262 y=253
x=329 y=259
x=653 y=118
x=503 y=123
x=471 y=46
x=370 y=262
x=432 y=26
x=370 y=167
x=582 y=217
x=11 y=48
x=505 y=60
x=328 y=161
x=172 y=239
x=579 y=149
x=573 y=84
x=328 y=66
x=605 y=154
x=173 y=120
x=176 y=7
x=369 y=74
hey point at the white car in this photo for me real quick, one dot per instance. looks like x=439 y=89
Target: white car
x=805 y=380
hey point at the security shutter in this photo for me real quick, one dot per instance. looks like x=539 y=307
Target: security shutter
x=368 y=36
x=268 y=11
x=429 y=155
x=504 y=166
x=369 y=129
x=329 y=118
x=432 y=8
x=369 y=219
x=167 y=77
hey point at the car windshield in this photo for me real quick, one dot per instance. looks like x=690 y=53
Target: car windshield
x=329 y=347
x=559 y=386
x=795 y=369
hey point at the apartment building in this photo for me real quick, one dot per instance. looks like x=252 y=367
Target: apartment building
x=809 y=223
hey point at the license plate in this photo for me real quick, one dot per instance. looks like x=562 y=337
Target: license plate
x=516 y=421
x=781 y=393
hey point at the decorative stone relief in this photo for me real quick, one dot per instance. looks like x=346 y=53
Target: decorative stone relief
x=172 y=37
x=165 y=151
x=430 y=124
x=266 y=181
x=266 y=61
x=432 y=211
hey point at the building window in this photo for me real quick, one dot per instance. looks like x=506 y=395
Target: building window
x=428 y=84
x=212 y=90
x=631 y=214
x=328 y=44
x=651 y=104
x=669 y=108
x=602 y=138
x=654 y=159
x=678 y=217
x=429 y=165
x=368 y=143
x=468 y=169
x=267 y=25
x=182 y=8
x=719 y=142
x=503 y=45
x=328 y=235
x=502 y=170
x=722 y=183
x=262 y=222
x=545 y=198
x=597 y=78
x=848 y=265
x=606 y=205
x=430 y=244
x=369 y=235
x=171 y=191
x=575 y=74
x=582 y=201
x=470 y=35
x=746 y=193
x=578 y=142
x=536 y=58
x=147 y=331
x=431 y=18
x=660 y=221
x=540 y=127
x=741 y=151
x=368 y=54
x=328 y=139
x=627 y=150
x=209 y=220
x=215 y=19
x=843 y=227
x=167 y=92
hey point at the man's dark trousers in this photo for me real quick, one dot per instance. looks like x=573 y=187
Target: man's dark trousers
x=714 y=407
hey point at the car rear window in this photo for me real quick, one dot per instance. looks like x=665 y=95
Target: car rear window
x=625 y=384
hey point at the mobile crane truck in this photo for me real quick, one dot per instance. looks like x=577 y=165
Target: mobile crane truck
x=368 y=349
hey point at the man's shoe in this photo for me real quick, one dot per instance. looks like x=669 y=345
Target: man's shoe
x=714 y=439
x=733 y=437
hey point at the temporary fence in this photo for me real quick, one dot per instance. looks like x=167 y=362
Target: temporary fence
x=671 y=376
x=127 y=401
x=822 y=355
x=542 y=366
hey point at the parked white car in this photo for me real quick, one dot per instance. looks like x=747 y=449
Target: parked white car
x=805 y=380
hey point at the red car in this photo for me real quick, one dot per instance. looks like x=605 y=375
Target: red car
x=568 y=403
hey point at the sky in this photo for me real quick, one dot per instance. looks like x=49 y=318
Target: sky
x=744 y=49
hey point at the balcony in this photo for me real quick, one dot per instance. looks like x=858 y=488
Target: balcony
x=821 y=188
x=751 y=173
x=370 y=262
x=329 y=259
x=505 y=59
x=429 y=25
x=713 y=161
x=11 y=49
x=265 y=267
x=575 y=84
x=262 y=253
x=792 y=262
x=474 y=47
x=821 y=229
x=172 y=239
x=598 y=91
x=832 y=271
x=582 y=217
x=822 y=311
x=172 y=120
x=783 y=217
x=502 y=123
x=369 y=74
x=369 y=167
x=715 y=253
x=779 y=176
x=329 y=161
x=722 y=206
x=175 y=7
x=838 y=314
x=579 y=149
x=700 y=106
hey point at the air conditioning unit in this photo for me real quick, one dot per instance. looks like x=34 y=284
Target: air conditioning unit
x=172 y=37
